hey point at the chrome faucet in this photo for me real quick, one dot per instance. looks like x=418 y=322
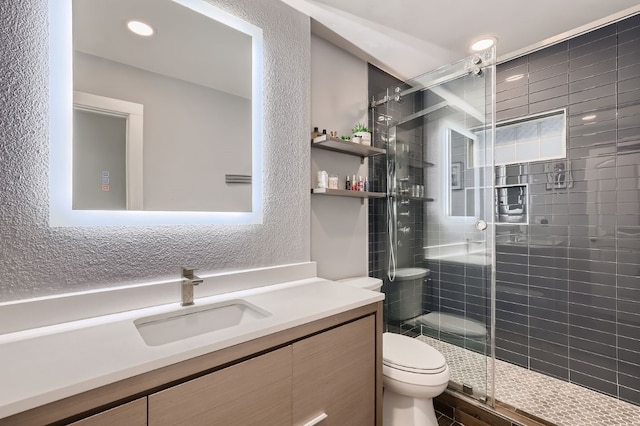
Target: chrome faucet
x=189 y=279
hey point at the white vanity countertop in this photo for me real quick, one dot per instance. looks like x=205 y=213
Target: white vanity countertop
x=42 y=365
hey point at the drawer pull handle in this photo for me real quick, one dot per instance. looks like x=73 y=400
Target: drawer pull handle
x=316 y=420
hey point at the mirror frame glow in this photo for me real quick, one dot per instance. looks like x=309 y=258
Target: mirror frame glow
x=61 y=125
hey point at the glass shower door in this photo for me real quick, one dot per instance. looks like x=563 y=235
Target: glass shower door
x=440 y=185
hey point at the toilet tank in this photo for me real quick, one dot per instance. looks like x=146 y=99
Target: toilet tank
x=368 y=283
x=404 y=294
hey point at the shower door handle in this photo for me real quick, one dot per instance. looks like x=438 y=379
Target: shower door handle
x=481 y=225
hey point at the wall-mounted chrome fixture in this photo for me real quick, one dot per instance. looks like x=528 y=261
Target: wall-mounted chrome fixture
x=398 y=96
x=405 y=230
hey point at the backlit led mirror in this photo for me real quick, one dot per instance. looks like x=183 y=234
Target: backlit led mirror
x=156 y=114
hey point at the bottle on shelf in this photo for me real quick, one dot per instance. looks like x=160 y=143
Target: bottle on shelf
x=354 y=183
x=347 y=184
x=360 y=184
x=315 y=133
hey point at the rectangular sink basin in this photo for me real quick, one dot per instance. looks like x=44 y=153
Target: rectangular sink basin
x=196 y=320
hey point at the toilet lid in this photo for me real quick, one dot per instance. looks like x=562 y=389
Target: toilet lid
x=409 y=354
x=406 y=274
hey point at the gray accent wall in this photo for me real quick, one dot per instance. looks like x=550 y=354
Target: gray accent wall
x=37 y=260
x=568 y=298
x=338 y=102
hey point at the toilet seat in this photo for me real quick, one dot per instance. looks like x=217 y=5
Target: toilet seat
x=404 y=353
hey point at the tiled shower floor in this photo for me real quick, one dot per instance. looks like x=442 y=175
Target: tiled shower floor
x=553 y=400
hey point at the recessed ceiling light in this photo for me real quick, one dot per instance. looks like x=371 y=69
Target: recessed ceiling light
x=589 y=117
x=483 y=44
x=140 y=28
x=514 y=77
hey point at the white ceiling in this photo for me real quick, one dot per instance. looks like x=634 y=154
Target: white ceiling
x=410 y=37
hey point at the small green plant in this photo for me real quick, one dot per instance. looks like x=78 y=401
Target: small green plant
x=360 y=128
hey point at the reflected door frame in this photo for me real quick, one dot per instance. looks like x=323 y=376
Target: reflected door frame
x=133 y=114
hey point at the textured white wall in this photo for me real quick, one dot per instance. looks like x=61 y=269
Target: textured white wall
x=36 y=260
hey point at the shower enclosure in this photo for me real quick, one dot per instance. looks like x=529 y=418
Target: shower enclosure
x=438 y=131
x=548 y=293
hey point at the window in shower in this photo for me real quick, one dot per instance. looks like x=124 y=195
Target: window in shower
x=533 y=138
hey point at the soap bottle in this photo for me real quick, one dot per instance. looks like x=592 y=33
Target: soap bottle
x=315 y=133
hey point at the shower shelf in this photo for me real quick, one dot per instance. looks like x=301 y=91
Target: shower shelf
x=344 y=193
x=417 y=198
x=414 y=162
x=346 y=147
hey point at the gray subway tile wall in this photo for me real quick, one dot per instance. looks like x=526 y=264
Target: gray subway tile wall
x=577 y=314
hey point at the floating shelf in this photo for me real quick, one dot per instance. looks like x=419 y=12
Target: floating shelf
x=346 y=147
x=344 y=193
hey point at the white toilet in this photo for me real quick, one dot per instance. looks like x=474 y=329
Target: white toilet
x=413 y=374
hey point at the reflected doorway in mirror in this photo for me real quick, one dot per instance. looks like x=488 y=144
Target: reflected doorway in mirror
x=457 y=175
x=107 y=134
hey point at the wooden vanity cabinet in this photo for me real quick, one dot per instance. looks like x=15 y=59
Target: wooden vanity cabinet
x=327 y=372
x=329 y=377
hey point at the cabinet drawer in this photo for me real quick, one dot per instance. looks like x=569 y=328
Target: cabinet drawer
x=254 y=392
x=335 y=373
x=133 y=413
